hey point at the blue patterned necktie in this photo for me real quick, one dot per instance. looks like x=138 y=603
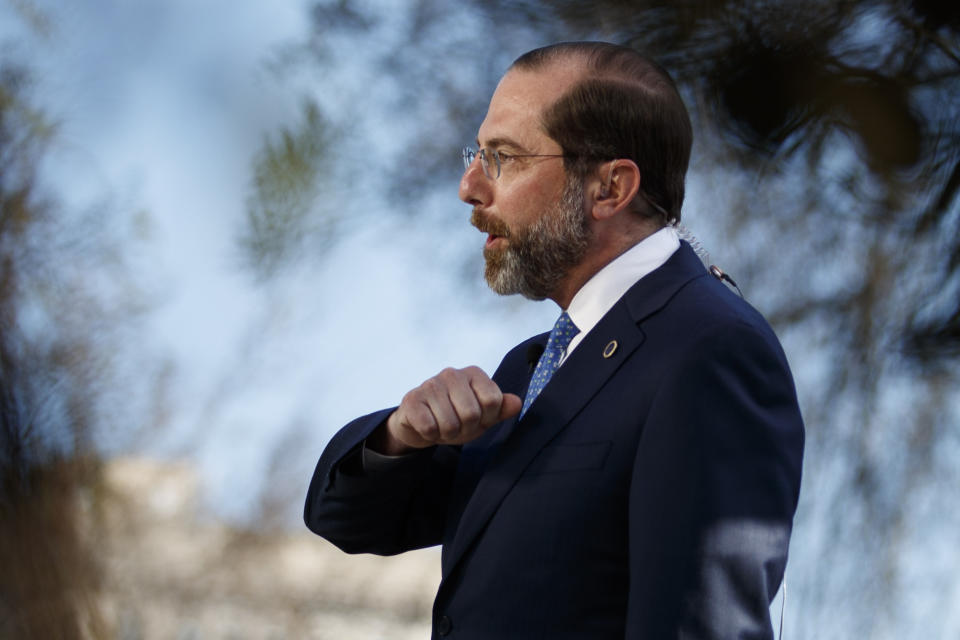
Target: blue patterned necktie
x=561 y=335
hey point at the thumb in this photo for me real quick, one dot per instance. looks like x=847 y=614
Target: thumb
x=510 y=406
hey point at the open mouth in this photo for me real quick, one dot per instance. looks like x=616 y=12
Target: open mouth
x=497 y=232
x=493 y=240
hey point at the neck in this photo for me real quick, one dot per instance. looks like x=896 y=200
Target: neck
x=606 y=248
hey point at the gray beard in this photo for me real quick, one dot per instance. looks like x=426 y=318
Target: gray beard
x=538 y=258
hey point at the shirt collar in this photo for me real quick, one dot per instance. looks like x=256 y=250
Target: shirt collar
x=608 y=285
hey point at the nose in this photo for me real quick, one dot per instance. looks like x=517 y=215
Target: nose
x=475 y=187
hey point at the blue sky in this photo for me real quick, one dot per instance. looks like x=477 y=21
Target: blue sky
x=161 y=108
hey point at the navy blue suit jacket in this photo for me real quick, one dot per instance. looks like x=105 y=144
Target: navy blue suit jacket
x=646 y=493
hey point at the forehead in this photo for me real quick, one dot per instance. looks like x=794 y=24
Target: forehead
x=520 y=99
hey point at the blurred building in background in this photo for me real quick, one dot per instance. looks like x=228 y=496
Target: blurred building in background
x=169 y=571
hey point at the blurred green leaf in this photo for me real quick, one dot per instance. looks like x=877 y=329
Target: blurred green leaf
x=283 y=214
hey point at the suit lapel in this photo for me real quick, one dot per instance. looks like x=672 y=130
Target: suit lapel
x=591 y=365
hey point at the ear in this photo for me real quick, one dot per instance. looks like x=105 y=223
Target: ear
x=613 y=187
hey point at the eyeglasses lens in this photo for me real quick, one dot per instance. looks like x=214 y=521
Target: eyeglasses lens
x=469 y=154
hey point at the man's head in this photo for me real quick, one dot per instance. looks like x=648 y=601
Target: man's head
x=570 y=134
x=623 y=106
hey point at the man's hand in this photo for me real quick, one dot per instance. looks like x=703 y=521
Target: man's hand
x=453 y=407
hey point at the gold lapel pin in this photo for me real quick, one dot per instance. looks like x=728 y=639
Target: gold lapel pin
x=610 y=349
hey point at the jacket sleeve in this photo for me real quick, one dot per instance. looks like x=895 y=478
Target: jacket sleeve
x=386 y=511
x=715 y=485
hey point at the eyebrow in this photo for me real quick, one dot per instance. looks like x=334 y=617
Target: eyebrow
x=497 y=143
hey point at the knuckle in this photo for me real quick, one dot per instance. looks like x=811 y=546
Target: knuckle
x=419 y=419
x=471 y=415
x=489 y=395
x=431 y=386
x=448 y=431
x=430 y=433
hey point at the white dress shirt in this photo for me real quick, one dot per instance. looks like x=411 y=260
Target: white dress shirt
x=608 y=285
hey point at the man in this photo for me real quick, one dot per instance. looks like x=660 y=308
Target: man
x=634 y=474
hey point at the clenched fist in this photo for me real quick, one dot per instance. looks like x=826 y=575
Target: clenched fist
x=453 y=407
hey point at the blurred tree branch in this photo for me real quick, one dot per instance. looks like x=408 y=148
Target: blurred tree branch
x=285 y=213
x=65 y=301
x=42 y=460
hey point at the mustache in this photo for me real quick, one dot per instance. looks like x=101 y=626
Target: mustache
x=489 y=224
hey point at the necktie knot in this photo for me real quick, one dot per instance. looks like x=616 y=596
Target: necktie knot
x=562 y=333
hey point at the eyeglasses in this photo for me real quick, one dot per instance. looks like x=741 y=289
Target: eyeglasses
x=498 y=158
